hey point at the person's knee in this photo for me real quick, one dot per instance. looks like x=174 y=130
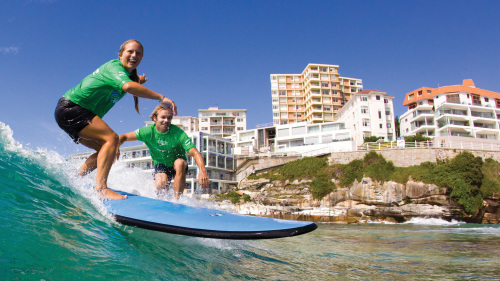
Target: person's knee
x=180 y=166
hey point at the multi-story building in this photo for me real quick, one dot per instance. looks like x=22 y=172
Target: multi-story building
x=369 y=113
x=301 y=137
x=314 y=96
x=458 y=110
x=222 y=122
x=217 y=152
x=188 y=124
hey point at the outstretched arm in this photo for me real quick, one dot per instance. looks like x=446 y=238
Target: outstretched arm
x=123 y=138
x=202 y=177
x=138 y=90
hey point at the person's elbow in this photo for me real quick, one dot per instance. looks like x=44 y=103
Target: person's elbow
x=128 y=87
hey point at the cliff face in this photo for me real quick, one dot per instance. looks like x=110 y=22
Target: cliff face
x=365 y=200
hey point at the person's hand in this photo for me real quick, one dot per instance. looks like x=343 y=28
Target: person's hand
x=203 y=180
x=166 y=103
x=142 y=79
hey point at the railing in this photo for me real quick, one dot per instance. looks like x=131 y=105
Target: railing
x=443 y=143
x=394 y=144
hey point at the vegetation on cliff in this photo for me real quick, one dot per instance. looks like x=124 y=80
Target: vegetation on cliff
x=467 y=179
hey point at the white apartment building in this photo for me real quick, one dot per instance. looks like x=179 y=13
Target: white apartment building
x=314 y=96
x=369 y=113
x=222 y=122
x=217 y=152
x=188 y=124
x=297 y=138
x=452 y=111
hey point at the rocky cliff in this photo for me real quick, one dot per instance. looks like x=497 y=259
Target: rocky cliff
x=367 y=200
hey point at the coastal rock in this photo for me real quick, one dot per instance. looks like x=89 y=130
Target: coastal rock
x=367 y=200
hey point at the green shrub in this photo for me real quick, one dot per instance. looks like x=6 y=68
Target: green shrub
x=351 y=172
x=246 y=198
x=321 y=186
x=371 y=139
x=491 y=179
x=307 y=167
x=377 y=168
x=233 y=196
x=417 y=138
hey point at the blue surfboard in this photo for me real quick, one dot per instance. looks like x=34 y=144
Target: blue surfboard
x=153 y=214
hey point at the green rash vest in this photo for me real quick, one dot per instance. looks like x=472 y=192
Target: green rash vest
x=100 y=90
x=166 y=147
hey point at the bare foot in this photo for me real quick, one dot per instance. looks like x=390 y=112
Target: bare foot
x=107 y=193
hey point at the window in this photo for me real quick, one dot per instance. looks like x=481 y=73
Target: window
x=453 y=98
x=381 y=126
x=419 y=93
x=282 y=93
x=380 y=114
x=364 y=98
x=364 y=110
x=314 y=129
x=366 y=122
x=476 y=99
x=377 y=97
x=386 y=100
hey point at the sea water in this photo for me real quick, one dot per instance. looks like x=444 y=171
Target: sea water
x=53 y=227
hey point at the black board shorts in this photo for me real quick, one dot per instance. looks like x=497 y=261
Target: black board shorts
x=170 y=171
x=72 y=118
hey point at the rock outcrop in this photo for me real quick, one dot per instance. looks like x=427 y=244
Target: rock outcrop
x=367 y=200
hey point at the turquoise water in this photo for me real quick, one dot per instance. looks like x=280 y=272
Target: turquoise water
x=53 y=228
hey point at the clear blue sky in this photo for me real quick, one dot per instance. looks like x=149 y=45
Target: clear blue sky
x=221 y=53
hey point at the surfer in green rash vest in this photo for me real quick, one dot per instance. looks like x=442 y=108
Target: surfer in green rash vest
x=80 y=111
x=168 y=145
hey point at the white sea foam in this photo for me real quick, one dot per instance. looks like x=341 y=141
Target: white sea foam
x=432 y=221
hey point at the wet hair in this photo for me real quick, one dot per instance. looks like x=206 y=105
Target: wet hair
x=157 y=109
x=134 y=77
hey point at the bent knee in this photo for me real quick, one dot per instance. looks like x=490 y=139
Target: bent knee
x=112 y=138
x=180 y=165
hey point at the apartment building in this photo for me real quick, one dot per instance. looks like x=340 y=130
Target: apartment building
x=222 y=122
x=188 y=124
x=314 y=96
x=448 y=111
x=369 y=113
x=300 y=137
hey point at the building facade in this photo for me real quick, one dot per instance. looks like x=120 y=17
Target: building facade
x=313 y=96
x=298 y=138
x=458 y=110
x=369 y=113
x=188 y=124
x=222 y=122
